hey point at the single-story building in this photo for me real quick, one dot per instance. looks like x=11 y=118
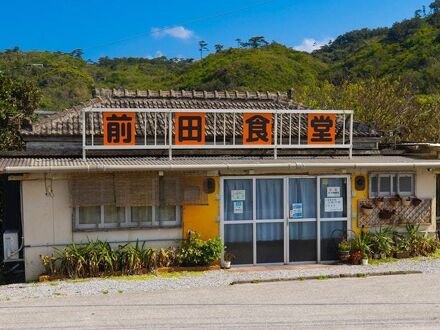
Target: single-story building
x=278 y=182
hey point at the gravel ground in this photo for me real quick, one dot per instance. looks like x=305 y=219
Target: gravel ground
x=193 y=280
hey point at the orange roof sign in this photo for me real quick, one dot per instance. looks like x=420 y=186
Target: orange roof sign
x=119 y=128
x=321 y=129
x=257 y=128
x=190 y=128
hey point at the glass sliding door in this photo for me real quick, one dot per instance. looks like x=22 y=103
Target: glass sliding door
x=333 y=215
x=302 y=219
x=238 y=219
x=270 y=220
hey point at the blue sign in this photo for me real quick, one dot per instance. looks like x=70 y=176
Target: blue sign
x=296 y=211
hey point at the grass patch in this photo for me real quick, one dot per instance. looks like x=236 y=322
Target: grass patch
x=120 y=291
x=322 y=277
x=104 y=291
x=153 y=276
x=375 y=262
x=59 y=294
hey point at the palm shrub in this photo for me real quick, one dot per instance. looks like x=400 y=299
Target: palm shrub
x=382 y=241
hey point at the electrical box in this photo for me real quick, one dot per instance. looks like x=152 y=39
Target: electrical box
x=10 y=245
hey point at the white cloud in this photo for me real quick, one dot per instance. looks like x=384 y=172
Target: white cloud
x=309 y=44
x=178 y=32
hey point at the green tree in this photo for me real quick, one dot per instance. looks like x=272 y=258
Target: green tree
x=18 y=100
x=203 y=46
x=218 y=47
x=257 y=42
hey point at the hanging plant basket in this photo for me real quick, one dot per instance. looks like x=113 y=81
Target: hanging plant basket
x=406 y=201
x=379 y=202
x=386 y=214
x=367 y=209
x=416 y=202
x=395 y=201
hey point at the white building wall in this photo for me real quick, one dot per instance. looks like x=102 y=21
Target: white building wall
x=47 y=222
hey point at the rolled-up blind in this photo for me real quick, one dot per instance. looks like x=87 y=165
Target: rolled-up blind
x=92 y=190
x=183 y=189
x=137 y=189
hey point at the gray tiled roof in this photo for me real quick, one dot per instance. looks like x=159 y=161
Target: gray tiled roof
x=24 y=165
x=68 y=122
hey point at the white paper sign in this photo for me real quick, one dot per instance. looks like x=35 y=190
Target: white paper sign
x=333 y=191
x=238 y=195
x=238 y=207
x=333 y=204
x=296 y=211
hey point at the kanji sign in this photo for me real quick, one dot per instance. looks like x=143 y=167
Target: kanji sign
x=321 y=129
x=257 y=128
x=119 y=128
x=190 y=128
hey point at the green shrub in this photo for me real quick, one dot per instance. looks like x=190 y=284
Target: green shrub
x=97 y=258
x=382 y=241
x=197 y=252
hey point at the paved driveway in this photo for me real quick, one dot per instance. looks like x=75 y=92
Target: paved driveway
x=401 y=301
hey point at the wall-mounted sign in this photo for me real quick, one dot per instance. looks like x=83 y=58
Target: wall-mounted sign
x=238 y=207
x=190 y=128
x=333 y=191
x=321 y=129
x=238 y=195
x=257 y=128
x=296 y=211
x=333 y=204
x=119 y=128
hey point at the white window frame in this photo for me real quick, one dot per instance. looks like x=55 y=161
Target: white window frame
x=393 y=176
x=127 y=223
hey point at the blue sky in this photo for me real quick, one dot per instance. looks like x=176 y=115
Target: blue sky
x=118 y=28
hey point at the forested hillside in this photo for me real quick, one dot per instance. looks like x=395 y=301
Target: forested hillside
x=389 y=75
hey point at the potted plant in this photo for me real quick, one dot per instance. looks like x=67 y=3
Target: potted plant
x=227 y=260
x=367 y=208
x=406 y=201
x=386 y=214
x=416 y=201
x=362 y=244
x=344 y=248
x=379 y=201
x=395 y=201
x=403 y=248
x=356 y=257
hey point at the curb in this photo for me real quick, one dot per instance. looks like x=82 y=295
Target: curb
x=325 y=277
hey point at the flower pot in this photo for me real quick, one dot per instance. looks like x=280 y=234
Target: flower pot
x=406 y=202
x=395 y=202
x=379 y=202
x=367 y=210
x=226 y=264
x=364 y=261
x=344 y=256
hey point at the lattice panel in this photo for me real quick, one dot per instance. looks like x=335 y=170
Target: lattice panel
x=419 y=214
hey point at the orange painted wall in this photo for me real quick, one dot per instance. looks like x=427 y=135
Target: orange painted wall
x=203 y=218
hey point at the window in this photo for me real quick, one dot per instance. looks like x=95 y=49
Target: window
x=109 y=216
x=390 y=184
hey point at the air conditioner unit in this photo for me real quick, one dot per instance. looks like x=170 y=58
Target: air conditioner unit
x=10 y=245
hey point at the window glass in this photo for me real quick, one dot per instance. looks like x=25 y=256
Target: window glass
x=333 y=193
x=113 y=214
x=166 y=213
x=405 y=184
x=142 y=214
x=238 y=202
x=302 y=198
x=374 y=187
x=385 y=184
x=395 y=181
x=89 y=215
x=270 y=199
